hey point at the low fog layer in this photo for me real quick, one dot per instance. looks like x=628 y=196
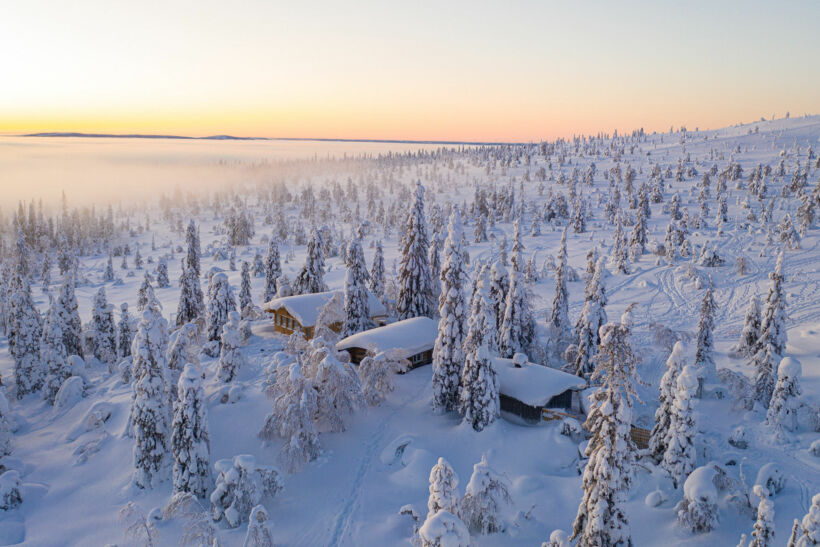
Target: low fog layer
x=104 y=170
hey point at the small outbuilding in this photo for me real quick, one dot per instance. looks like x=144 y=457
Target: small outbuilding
x=535 y=392
x=299 y=313
x=412 y=339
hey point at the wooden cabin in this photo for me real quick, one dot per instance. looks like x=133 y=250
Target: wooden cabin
x=412 y=339
x=299 y=313
x=532 y=392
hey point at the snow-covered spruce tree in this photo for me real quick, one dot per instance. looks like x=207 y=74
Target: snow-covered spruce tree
x=808 y=533
x=294 y=406
x=108 y=275
x=245 y=299
x=444 y=529
x=663 y=415
x=558 y=322
x=240 y=486
x=750 y=334
x=190 y=441
x=356 y=303
x=481 y=322
x=53 y=356
x=339 y=393
x=620 y=253
x=183 y=350
x=191 y=303
x=24 y=331
x=220 y=304
x=5 y=426
x=258 y=265
x=679 y=458
x=70 y=317
x=782 y=412
x=377 y=271
x=772 y=343
x=448 y=352
x=443 y=489
x=637 y=238
x=763 y=531
x=499 y=287
x=104 y=329
x=10 y=488
x=310 y=278
x=149 y=413
x=273 y=270
x=485 y=498
x=145 y=292
x=162 y=274
x=258 y=533
x=479 y=396
x=415 y=296
x=137 y=258
x=434 y=258
x=194 y=251
x=124 y=334
x=704 y=360
x=517 y=328
x=376 y=372
x=608 y=474
x=231 y=358
x=593 y=317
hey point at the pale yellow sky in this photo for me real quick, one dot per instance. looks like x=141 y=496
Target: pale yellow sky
x=491 y=71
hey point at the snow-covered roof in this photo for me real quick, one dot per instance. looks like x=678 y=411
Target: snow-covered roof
x=408 y=337
x=533 y=384
x=307 y=307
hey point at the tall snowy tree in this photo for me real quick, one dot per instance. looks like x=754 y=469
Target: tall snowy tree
x=558 y=321
x=194 y=251
x=679 y=458
x=443 y=489
x=162 y=274
x=104 y=329
x=191 y=303
x=24 y=331
x=620 y=253
x=124 y=334
x=145 y=292
x=608 y=474
x=339 y=393
x=415 y=296
x=220 y=303
x=750 y=335
x=377 y=271
x=245 y=298
x=53 y=355
x=593 y=317
x=149 y=412
x=231 y=358
x=782 y=413
x=357 y=305
x=273 y=270
x=763 y=531
x=183 y=350
x=479 y=395
x=448 y=352
x=499 y=287
x=663 y=415
x=704 y=360
x=517 y=329
x=310 y=278
x=808 y=532
x=190 y=440
x=772 y=343
x=5 y=426
x=434 y=258
x=70 y=317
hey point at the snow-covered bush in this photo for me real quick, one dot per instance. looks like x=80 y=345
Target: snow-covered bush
x=444 y=529
x=698 y=510
x=10 y=490
x=558 y=538
x=377 y=372
x=258 y=533
x=763 y=532
x=240 y=486
x=808 y=531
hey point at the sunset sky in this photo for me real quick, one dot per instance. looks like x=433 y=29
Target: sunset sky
x=479 y=71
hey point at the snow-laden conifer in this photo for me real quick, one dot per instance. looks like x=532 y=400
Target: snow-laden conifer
x=679 y=457
x=808 y=533
x=221 y=303
x=763 y=530
x=443 y=489
x=258 y=533
x=24 y=332
x=310 y=278
x=53 y=355
x=190 y=440
x=103 y=329
x=70 y=317
x=593 y=317
x=607 y=477
x=782 y=413
x=183 y=350
x=558 y=321
x=356 y=296
x=339 y=393
x=485 y=499
x=125 y=335
x=191 y=303
x=704 y=358
x=663 y=414
x=448 y=352
x=377 y=372
x=162 y=274
x=231 y=358
x=245 y=298
x=750 y=335
x=499 y=287
x=377 y=271
x=273 y=270
x=240 y=486
x=517 y=328
x=772 y=343
x=415 y=298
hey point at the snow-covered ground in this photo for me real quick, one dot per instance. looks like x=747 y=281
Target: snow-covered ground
x=76 y=481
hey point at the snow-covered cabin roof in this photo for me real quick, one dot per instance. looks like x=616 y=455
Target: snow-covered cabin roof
x=306 y=308
x=533 y=384
x=408 y=337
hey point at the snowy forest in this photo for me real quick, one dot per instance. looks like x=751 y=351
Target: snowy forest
x=648 y=297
